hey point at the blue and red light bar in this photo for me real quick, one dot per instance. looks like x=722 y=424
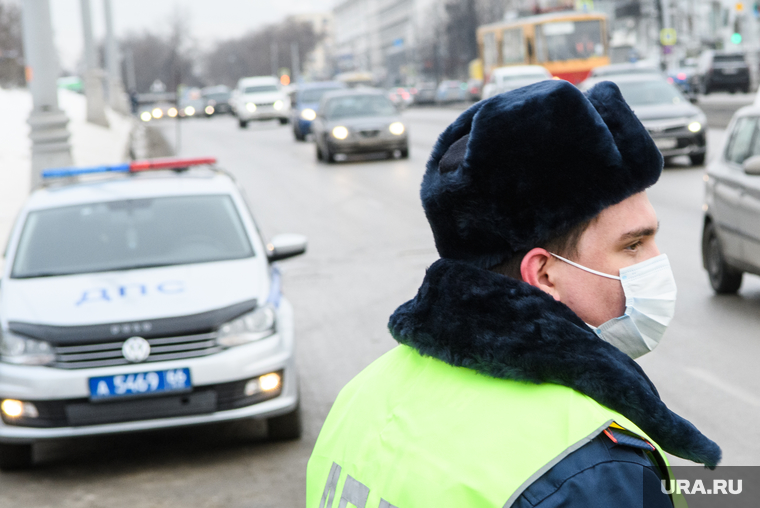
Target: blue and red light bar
x=130 y=167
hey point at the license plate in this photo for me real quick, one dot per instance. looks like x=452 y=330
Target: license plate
x=141 y=383
x=665 y=143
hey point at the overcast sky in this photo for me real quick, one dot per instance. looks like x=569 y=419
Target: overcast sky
x=210 y=20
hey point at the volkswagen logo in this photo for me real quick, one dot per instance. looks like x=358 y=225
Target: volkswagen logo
x=135 y=349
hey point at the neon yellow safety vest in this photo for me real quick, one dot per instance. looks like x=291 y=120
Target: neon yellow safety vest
x=414 y=432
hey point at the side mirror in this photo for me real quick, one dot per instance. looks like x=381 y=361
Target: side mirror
x=752 y=165
x=286 y=246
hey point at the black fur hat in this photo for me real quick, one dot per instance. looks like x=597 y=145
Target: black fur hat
x=517 y=169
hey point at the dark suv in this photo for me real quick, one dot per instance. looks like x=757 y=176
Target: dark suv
x=720 y=70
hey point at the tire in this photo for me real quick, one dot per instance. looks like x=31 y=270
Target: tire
x=285 y=427
x=697 y=159
x=15 y=456
x=405 y=153
x=320 y=156
x=243 y=123
x=298 y=136
x=283 y=121
x=724 y=279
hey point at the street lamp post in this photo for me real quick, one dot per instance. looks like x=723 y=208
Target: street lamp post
x=93 y=84
x=115 y=87
x=49 y=134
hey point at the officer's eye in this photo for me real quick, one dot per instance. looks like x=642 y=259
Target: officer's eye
x=635 y=245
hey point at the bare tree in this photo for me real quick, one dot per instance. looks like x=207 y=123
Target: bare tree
x=258 y=52
x=11 y=46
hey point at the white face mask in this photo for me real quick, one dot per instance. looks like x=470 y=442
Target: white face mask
x=650 y=302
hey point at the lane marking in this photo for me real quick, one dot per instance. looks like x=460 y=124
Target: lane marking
x=735 y=391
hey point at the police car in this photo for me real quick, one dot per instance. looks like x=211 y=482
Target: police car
x=141 y=300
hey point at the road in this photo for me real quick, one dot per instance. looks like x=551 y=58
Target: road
x=369 y=245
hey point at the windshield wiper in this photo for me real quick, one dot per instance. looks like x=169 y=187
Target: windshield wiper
x=101 y=270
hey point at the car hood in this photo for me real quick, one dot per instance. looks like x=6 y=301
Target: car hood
x=262 y=97
x=514 y=84
x=663 y=111
x=132 y=295
x=364 y=122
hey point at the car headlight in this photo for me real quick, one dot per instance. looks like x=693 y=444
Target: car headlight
x=308 y=114
x=172 y=112
x=697 y=123
x=340 y=132
x=396 y=128
x=250 y=107
x=209 y=110
x=249 y=327
x=278 y=105
x=189 y=111
x=157 y=113
x=24 y=351
x=145 y=116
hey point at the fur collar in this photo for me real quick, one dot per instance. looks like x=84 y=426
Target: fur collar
x=505 y=328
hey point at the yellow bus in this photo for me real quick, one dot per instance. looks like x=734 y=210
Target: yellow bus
x=569 y=44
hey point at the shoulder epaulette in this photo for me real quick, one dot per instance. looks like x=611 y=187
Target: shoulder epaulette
x=621 y=436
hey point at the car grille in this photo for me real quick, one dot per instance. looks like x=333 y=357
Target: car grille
x=83 y=356
x=264 y=104
x=369 y=134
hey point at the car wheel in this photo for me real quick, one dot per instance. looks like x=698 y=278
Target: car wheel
x=285 y=427
x=320 y=155
x=328 y=156
x=242 y=123
x=15 y=456
x=697 y=159
x=405 y=152
x=724 y=279
x=298 y=136
x=283 y=121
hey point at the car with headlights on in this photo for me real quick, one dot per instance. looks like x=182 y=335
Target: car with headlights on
x=216 y=100
x=304 y=103
x=135 y=299
x=358 y=121
x=731 y=228
x=260 y=98
x=677 y=126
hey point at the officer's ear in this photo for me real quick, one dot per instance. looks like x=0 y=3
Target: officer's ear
x=534 y=270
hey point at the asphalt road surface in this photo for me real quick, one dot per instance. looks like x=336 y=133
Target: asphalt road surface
x=369 y=245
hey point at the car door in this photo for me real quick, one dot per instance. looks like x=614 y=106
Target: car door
x=749 y=207
x=726 y=186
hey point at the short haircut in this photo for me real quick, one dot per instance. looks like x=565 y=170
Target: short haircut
x=565 y=245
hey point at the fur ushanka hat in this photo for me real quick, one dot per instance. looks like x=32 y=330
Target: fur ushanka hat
x=524 y=166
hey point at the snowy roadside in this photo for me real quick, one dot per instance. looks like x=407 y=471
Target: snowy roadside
x=90 y=144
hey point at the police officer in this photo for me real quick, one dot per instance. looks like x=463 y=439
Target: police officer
x=515 y=382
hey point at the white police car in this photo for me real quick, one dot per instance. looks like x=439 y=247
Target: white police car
x=138 y=302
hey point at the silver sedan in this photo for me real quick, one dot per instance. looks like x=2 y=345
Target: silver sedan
x=358 y=121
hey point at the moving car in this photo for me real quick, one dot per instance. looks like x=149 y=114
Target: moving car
x=142 y=302
x=677 y=126
x=401 y=97
x=721 y=70
x=474 y=89
x=191 y=103
x=505 y=79
x=358 y=121
x=216 y=100
x=423 y=93
x=682 y=76
x=641 y=67
x=305 y=101
x=450 y=91
x=260 y=98
x=731 y=230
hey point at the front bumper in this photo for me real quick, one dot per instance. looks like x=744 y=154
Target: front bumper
x=218 y=381
x=680 y=141
x=263 y=113
x=353 y=144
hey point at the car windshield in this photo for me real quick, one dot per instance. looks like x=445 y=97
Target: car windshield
x=129 y=234
x=218 y=97
x=261 y=89
x=647 y=93
x=315 y=94
x=729 y=58
x=359 y=105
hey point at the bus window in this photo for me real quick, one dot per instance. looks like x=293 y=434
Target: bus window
x=490 y=54
x=512 y=46
x=569 y=40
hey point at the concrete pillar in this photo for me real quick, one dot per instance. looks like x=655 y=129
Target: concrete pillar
x=49 y=132
x=93 y=76
x=116 y=96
